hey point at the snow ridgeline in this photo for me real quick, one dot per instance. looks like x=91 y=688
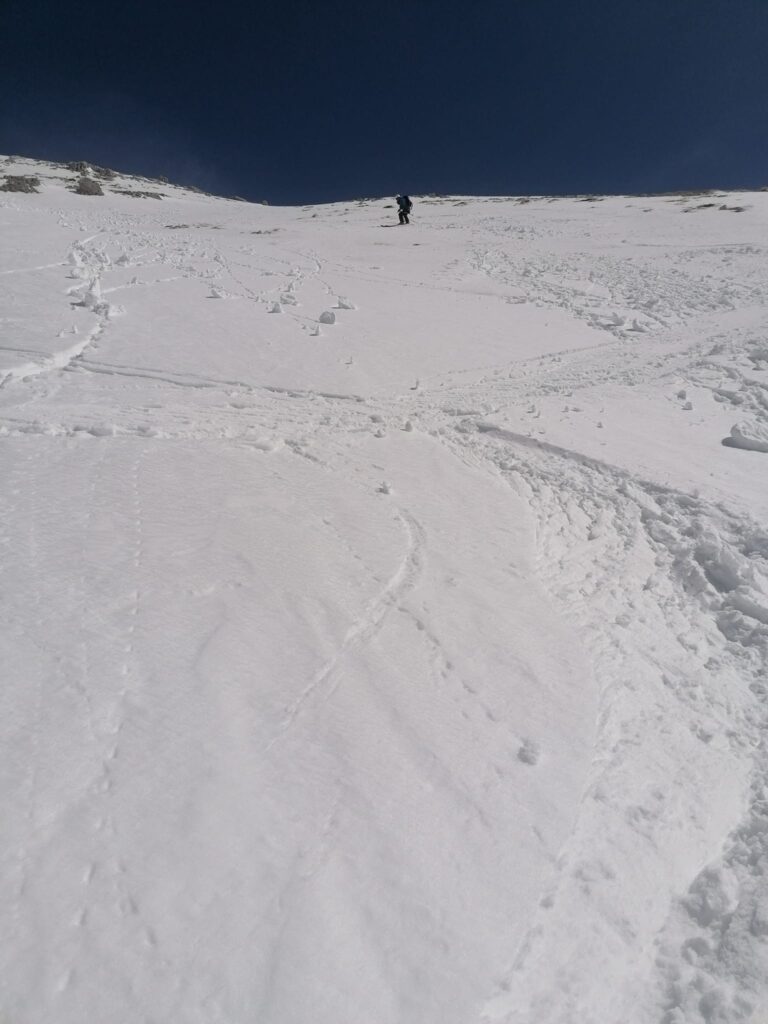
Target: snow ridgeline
x=400 y=656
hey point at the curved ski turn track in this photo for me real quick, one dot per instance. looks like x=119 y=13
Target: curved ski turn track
x=384 y=614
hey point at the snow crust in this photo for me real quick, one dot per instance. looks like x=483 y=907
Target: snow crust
x=400 y=657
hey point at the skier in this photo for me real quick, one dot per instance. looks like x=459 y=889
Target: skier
x=404 y=208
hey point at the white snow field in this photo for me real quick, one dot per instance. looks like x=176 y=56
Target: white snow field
x=384 y=612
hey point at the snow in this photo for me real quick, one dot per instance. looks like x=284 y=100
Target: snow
x=408 y=669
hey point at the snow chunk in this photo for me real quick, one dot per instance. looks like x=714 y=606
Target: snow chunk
x=529 y=752
x=268 y=444
x=750 y=436
x=712 y=896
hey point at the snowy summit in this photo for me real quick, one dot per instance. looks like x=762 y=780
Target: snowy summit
x=384 y=608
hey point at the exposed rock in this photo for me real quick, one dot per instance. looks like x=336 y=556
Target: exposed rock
x=137 y=193
x=89 y=187
x=20 y=183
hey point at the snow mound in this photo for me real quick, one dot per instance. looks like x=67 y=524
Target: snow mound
x=752 y=437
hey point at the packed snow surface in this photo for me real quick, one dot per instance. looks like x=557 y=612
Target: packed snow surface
x=384 y=609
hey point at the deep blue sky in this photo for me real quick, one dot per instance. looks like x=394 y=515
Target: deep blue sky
x=300 y=101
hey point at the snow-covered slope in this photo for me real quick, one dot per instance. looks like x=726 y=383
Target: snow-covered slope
x=408 y=667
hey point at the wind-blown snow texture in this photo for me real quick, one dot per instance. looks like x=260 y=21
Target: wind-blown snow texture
x=384 y=612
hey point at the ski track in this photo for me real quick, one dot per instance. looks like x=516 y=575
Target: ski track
x=87 y=263
x=707 y=571
x=670 y=590
x=361 y=632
